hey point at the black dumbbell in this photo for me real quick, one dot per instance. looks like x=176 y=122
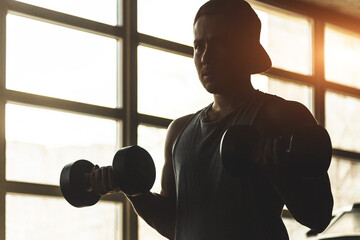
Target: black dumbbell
x=133 y=173
x=307 y=151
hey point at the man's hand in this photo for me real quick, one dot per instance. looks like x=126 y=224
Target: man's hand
x=306 y=153
x=101 y=180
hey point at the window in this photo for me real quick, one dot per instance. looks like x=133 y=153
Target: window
x=61 y=100
x=108 y=11
x=301 y=93
x=287 y=39
x=342 y=118
x=80 y=79
x=40 y=142
x=60 y=221
x=60 y=62
x=153 y=139
x=344 y=176
x=159 y=18
x=164 y=81
x=342 y=56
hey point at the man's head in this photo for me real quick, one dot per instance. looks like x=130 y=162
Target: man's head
x=226 y=42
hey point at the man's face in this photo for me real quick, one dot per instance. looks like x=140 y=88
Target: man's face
x=218 y=57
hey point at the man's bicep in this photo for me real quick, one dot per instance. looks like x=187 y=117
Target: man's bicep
x=168 y=187
x=168 y=179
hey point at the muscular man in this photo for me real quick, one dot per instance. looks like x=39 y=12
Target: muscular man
x=199 y=200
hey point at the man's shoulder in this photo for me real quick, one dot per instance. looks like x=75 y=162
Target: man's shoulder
x=176 y=126
x=280 y=112
x=180 y=123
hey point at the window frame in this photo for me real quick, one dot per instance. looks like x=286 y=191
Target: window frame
x=128 y=114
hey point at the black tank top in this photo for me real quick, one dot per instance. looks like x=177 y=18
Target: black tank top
x=211 y=204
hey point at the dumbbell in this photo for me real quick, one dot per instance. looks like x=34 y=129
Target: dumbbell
x=306 y=152
x=133 y=173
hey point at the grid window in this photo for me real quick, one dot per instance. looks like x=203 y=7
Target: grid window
x=60 y=62
x=105 y=11
x=43 y=218
x=287 y=39
x=40 y=142
x=342 y=120
x=82 y=71
x=342 y=56
x=171 y=20
x=168 y=84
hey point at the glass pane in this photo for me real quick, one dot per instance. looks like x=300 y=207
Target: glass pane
x=60 y=62
x=42 y=218
x=345 y=182
x=342 y=57
x=287 y=90
x=342 y=116
x=287 y=39
x=171 y=20
x=168 y=84
x=104 y=11
x=153 y=140
x=40 y=142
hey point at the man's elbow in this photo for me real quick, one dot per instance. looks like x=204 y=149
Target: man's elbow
x=317 y=220
x=322 y=223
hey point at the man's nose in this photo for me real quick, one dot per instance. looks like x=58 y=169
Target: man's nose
x=207 y=56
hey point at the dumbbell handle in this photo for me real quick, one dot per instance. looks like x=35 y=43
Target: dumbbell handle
x=90 y=186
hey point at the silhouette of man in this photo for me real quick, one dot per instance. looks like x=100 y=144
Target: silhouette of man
x=199 y=200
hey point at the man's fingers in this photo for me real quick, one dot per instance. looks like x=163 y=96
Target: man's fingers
x=104 y=180
x=110 y=179
x=98 y=182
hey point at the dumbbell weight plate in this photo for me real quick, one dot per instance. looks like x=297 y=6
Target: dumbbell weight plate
x=73 y=186
x=133 y=170
x=310 y=151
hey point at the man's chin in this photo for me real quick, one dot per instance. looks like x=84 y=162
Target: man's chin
x=213 y=89
x=215 y=86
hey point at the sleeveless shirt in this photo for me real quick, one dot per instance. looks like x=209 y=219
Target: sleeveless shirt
x=211 y=204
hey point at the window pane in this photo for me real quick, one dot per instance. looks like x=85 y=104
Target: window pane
x=153 y=140
x=287 y=90
x=342 y=116
x=42 y=218
x=342 y=57
x=287 y=39
x=168 y=84
x=60 y=62
x=171 y=20
x=345 y=182
x=104 y=11
x=40 y=142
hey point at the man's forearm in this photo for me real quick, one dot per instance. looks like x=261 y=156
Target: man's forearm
x=309 y=200
x=158 y=211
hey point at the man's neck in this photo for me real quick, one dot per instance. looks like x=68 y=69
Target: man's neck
x=229 y=100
